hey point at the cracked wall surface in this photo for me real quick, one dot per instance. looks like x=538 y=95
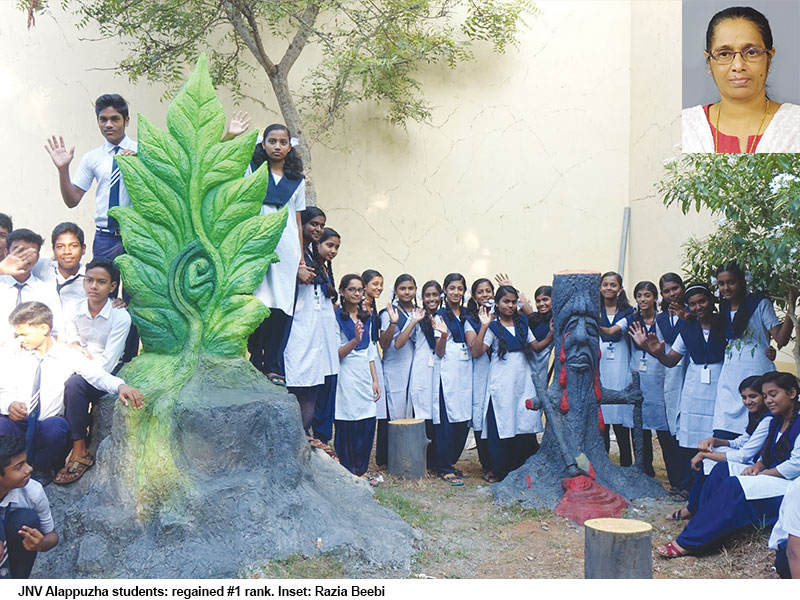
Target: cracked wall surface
x=525 y=167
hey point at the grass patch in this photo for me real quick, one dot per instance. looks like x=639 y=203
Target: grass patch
x=516 y=513
x=410 y=511
x=295 y=566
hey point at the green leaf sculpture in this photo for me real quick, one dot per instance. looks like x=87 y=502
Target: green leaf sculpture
x=196 y=249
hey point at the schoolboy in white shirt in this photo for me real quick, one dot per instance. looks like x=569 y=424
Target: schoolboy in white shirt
x=66 y=272
x=26 y=524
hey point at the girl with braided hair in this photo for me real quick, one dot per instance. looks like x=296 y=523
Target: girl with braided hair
x=509 y=423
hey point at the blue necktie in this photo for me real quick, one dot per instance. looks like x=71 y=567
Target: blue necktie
x=33 y=413
x=19 y=287
x=113 y=193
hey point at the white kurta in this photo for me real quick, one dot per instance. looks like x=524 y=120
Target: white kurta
x=781 y=135
x=423 y=386
x=397 y=371
x=651 y=382
x=615 y=374
x=480 y=380
x=354 y=397
x=788 y=517
x=455 y=374
x=696 y=409
x=673 y=383
x=277 y=288
x=744 y=357
x=510 y=385
x=744 y=449
x=312 y=350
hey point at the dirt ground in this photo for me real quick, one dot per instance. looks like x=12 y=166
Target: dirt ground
x=465 y=535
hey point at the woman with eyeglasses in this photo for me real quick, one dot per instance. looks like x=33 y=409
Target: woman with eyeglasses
x=739 y=52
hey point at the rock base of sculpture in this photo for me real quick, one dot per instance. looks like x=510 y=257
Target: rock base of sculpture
x=253 y=491
x=586 y=499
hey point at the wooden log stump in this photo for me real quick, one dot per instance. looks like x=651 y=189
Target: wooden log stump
x=407 y=447
x=618 y=549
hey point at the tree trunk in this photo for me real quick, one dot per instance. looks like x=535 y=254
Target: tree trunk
x=291 y=116
x=617 y=549
x=408 y=446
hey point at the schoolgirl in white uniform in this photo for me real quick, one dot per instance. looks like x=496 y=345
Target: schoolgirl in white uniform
x=357 y=390
x=750 y=322
x=509 y=423
x=453 y=411
x=286 y=188
x=615 y=373
x=481 y=294
x=373 y=288
x=311 y=354
x=539 y=323
x=424 y=378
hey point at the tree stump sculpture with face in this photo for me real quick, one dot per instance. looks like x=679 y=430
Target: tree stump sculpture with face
x=572 y=451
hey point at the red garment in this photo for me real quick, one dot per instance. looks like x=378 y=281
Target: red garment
x=729 y=143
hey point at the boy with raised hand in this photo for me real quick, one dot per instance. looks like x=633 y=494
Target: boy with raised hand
x=32 y=391
x=24 y=286
x=66 y=272
x=26 y=524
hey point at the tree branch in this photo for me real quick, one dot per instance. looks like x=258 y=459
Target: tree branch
x=249 y=33
x=304 y=31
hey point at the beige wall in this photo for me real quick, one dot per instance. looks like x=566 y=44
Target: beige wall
x=526 y=166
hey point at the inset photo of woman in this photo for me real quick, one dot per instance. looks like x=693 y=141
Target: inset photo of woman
x=741 y=76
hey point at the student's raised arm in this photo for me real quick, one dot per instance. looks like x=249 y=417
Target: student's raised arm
x=653 y=346
x=539 y=345
x=478 y=347
x=439 y=325
x=782 y=333
x=387 y=329
x=62 y=158
x=416 y=316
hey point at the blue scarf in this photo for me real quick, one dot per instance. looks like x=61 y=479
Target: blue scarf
x=278 y=194
x=702 y=353
x=620 y=314
x=665 y=325
x=455 y=325
x=540 y=331
x=775 y=452
x=514 y=342
x=349 y=327
x=751 y=302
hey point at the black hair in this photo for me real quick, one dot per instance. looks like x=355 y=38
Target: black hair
x=753 y=382
x=543 y=290
x=312 y=212
x=648 y=286
x=24 y=235
x=669 y=278
x=108 y=265
x=5 y=222
x=450 y=278
x=10 y=446
x=67 y=227
x=31 y=313
x=622 y=297
x=292 y=164
x=717 y=324
x=330 y=290
x=366 y=277
x=115 y=101
x=753 y=419
x=537 y=318
x=520 y=324
x=402 y=278
x=361 y=314
x=740 y=12
x=741 y=317
x=472 y=304
x=425 y=324
x=785 y=381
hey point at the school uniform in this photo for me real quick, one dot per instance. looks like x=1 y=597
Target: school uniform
x=103 y=336
x=355 y=401
x=541 y=359
x=744 y=356
x=69 y=289
x=33 y=289
x=54 y=416
x=451 y=414
x=480 y=381
x=423 y=382
x=100 y=164
x=507 y=420
x=788 y=524
x=277 y=290
x=706 y=351
x=615 y=373
x=312 y=349
x=372 y=328
x=729 y=501
x=673 y=376
x=24 y=506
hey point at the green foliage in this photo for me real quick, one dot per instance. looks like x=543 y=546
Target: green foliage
x=755 y=199
x=196 y=245
x=369 y=50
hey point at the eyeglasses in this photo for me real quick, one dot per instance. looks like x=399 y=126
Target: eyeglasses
x=749 y=54
x=354 y=290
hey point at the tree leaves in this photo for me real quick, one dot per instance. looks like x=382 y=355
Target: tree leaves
x=196 y=245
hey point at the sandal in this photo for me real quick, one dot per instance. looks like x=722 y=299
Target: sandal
x=276 y=379
x=678 y=493
x=670 y=550
x=678 y=516
x=460 y=474
x=452 y=479
x=74 y=469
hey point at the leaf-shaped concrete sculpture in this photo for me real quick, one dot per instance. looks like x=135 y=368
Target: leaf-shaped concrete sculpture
x=196 y=249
